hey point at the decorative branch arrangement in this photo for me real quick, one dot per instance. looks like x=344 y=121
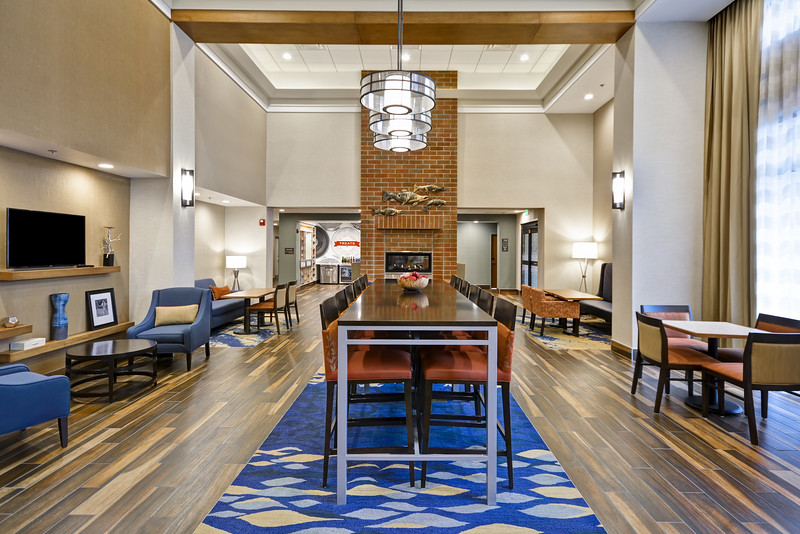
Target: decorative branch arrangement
x=108 y=240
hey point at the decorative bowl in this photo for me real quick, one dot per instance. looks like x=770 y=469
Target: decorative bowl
x=411 y=284
x=10 y=321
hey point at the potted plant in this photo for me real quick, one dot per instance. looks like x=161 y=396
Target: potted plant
x=108 y=251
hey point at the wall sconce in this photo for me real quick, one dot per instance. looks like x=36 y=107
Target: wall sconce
x=187 y=188
x=583 y=251
x=618 y=190
x=235 y=263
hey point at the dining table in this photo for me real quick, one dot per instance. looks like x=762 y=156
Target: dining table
x=711 y=331
x=572 y=295
x=260 y=293
x=385 y=306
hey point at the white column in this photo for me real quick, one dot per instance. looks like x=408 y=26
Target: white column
x=658 y=141
x=162 y=232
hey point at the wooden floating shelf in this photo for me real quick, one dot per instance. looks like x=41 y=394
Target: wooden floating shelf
x=90 y=335
x=17 y=330
x=36 y=274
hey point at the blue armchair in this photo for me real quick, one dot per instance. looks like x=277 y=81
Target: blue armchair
x=28 y=399
x=172 y=338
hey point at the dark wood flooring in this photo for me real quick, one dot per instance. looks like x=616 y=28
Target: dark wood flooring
x=158 y=459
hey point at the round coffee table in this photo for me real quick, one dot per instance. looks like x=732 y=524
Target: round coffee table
x=102 y=360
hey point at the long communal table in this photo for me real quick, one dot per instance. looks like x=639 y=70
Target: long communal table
x=439 y=308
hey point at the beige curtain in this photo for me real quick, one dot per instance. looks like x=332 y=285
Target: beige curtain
x=732 y=79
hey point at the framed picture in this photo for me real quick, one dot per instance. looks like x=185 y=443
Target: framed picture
x=101 y=308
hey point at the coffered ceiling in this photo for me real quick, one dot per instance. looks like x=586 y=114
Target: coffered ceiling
x=521 y=55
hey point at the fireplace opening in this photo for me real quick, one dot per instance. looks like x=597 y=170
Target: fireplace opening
x=398 y=263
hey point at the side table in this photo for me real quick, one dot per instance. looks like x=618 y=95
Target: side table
x=103 y=360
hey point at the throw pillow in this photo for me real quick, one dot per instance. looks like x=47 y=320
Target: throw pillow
x=176 y=314
x=217 y=292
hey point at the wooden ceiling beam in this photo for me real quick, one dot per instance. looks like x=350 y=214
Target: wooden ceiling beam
x=380 y=28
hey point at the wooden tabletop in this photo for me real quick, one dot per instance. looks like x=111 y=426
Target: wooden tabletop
x=254 y=293
x=571 y=294
x=385 y=304
x=711 y=329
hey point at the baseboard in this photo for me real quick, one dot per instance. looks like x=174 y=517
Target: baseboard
x=620 y=349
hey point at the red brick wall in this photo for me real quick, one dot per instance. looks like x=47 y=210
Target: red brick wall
x=383 y=170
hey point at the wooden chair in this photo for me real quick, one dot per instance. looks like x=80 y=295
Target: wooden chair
x=486 y=301
x=271 y=306
x=349 y=294
x=366 y=366
x=291 y=300
x=770 y=323
x=328 y=311
x=653 y=349
x=468 y=365
x=474 y=292
x=675 y=339
x=771 y=362
x=464 y=289
x=341 y=301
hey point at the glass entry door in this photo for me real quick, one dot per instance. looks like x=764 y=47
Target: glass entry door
x=530 y=254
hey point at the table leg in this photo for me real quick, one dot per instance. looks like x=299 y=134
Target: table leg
x=696 y=401
x=112 y=376
x=341 y=416
x=576 y=326
x=155 y=366
x=491 y=420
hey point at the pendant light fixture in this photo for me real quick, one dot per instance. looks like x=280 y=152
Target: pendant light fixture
x=400 y=101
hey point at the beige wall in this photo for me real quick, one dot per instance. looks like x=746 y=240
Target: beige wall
x=601 y=194
x=231 y=135
x=533 y=161
x=244 y=237
x=313 y=160
x=33 y=182
x=90 y=76
x=209 y=242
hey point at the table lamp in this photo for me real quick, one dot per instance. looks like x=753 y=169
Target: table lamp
x=583 y=251
x=235 y=263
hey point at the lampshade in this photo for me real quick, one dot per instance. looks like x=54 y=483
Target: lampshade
x=618 y=190
x=235 y=262
x=399 y=144
x=584 y=250
x=400 y=125
x=398 y=92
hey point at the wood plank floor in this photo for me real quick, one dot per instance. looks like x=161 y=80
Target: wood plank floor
x=158 y=459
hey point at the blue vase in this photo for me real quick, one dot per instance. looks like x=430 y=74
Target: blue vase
x=59 y=324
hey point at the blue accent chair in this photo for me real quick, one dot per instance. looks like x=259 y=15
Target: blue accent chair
x=28 y=399
x=173 y=338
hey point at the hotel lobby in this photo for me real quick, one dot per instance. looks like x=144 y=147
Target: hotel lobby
x=236 y=93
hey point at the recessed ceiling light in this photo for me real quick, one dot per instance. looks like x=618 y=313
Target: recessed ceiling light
x=406 y=57
x=287 y=56
x=588 y=96
x=226 y=201
x=524 y=57
x=105 y=166
x=476 y=222
x=281 y=210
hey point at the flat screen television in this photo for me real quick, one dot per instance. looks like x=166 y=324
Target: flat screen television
x=42 y=239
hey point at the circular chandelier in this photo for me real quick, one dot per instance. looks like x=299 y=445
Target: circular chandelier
x=400 y=125
x=401 y=102
x=400 y=144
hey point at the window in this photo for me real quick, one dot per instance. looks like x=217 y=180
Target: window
x=778 y=162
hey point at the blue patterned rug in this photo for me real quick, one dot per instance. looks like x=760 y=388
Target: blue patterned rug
x=280 y=488
x=594 y=333
x=225 y=336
